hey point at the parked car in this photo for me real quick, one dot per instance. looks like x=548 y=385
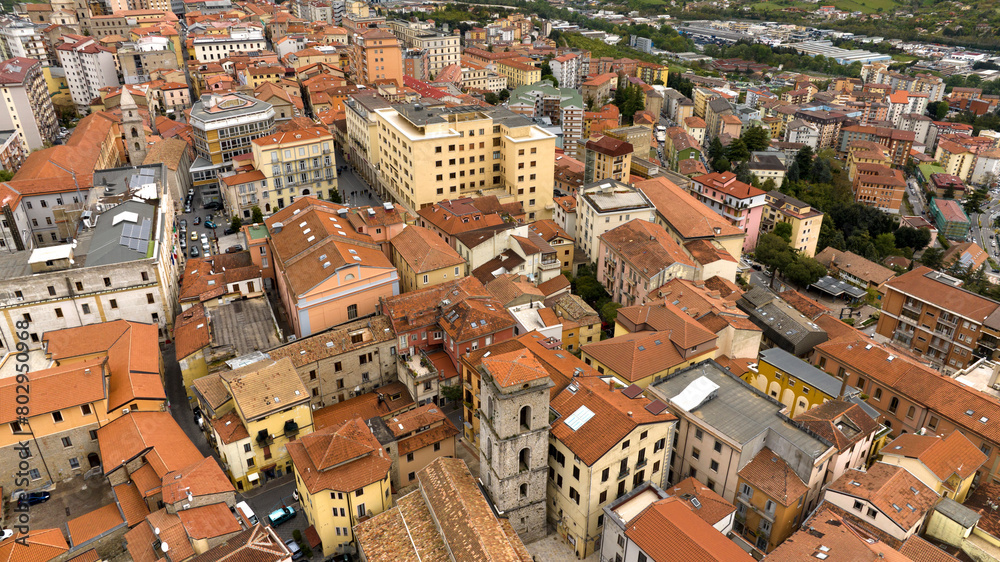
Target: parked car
x=184 y=223
x=190 y=191
x=342 y=558
x=234 y=249
x=194 y=236
x=212 y=205
x=184 y=244
x=293 y=547
x=33 y=498
x=229 y=231
x=197 y=221
x=187 y=208
x=279 y=516
x=210 y=224
x=248 y=513
x=6 y=534
x=194 y=251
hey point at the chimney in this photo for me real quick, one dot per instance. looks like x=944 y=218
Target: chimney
x=611 y=384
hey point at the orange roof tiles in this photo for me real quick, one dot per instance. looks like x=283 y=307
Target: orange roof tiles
x=365 y=406
x=230 y=428
x=770 y=474
x=845 y=544
x=667 y=528
x=713 y=508
x=131 y=502
x=514 y=368
x=424 y=251
x=839 y=422
x=203 y=478
x=93 y=524
x=257 y=544
x=36 y=546
x=208 y=521
x=615 y=417
x=646 y=246
x=342 y=457
x=56 y=388
x=153 y=434
x=952 y=455
x=890 y=489
x=191 y=331
x=686 y=215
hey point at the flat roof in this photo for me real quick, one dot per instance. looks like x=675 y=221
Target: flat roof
x=802 y=370
x=837 y=287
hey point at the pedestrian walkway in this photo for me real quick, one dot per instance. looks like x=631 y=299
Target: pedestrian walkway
x=554 y=548
x=267 y=487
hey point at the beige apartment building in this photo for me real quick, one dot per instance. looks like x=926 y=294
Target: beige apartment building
x=293 y=163
x=426 y=154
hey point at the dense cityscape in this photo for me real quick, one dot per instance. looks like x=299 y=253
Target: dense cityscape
x=508 y=280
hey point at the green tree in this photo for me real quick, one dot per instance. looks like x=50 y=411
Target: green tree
x=491 y=98
x=721 y=164
x=803 y=271
x=6 y=175
x=610 y=311
x=915 y=238
x=551 y=78
x=737 y=151
x=743 y=174
x=932 y=258
x=784 y=230
x=756 y=138
x=821 y=172
x=715 y=149
x=504 y=95
x=974 y=202
x=774 y=252
x=335 y=196
x=256 y=215
x=938 y=110
x=791 y=176
x=885 y=244
x=451 y=393
x=805 y=160
x=235 y=223
x=768 y=184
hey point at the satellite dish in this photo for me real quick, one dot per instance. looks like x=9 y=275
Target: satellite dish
x=156 y=531
x=72 y=261
x=164 y=547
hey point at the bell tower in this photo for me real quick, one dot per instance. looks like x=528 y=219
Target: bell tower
x=135 y=134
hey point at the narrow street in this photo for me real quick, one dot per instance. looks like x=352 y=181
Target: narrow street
x=178 y=404
x=354 y=191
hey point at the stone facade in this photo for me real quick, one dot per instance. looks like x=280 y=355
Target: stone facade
x=514 y=441
x=49 y=457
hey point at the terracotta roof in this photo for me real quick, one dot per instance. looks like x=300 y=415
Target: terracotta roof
x=210 y=277
x=212 y=390
x=475 y=317
x=465 y=519
x=890 y=489
x=257 y=544
x=686 y=215
x=230 y=428
x=365 y=406
x=770 y=474
x=981 y=500
x=919 y=550
x=191 y=331
x=209 y=521
x=828 y=529
x=855 y=265
x=514 y=368
x=36 y=546
x=646 y=246
x=609 y=146
x=93 y=524
x=665 y=316
x=803 y=304
x=952 y=455
x=424 y=251
x=343 y=457
x=423 y=307
x=263 y=388
x=131 y=503
x=203 y=478
x=615 y=416
x=336 y=341
x=713 y=508
x=667 y=528
x=405 y=533
x=446 y=430
x=727 y=183
x=921 y=283
x=55 y=388
x=839 y=422
x=154 y=434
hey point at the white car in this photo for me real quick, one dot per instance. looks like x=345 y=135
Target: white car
x=204 y=243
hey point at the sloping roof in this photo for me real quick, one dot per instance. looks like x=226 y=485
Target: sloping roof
x=638 y=355
x=424 y=251
x=153 y=434
x=647 y=246
x=686 y=215
x=713 y=508
x=667 y=528
x=378 y=403
x=514 y=368
x=191 y=331
x=203 y=478
x=262 y=388
x=770 y=474
x=344 y=457
x=855 y=265
x=42 y=545
x=899 y=495
x=615 y=415
x=260 y=543
x=945 y=457
x=922 y=283
x=839 y=422
x=826 y=528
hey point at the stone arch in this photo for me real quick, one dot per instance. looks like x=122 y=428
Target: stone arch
x=135 y=133
x=525 y=417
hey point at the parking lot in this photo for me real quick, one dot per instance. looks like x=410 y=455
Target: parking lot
x=217 y=240
x=70 y=499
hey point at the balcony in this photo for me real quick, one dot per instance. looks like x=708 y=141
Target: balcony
x=623 y=474
x=549 y=265
x=642 y=462
x=291 y=429
x=915 y=307
x=419 y=367
x=264 y=439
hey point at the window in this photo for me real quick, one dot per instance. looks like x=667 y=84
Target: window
x=409 y=457
x=59 y=313
x=74 y=463
x=714 y=466
x=698 y=434
x=107 y=281
x=247 y=448
x=86 y=308
x=893 y=405
x=57 y=417
x=603 y=497
x=878 y=394
x=746 y=490
x=605 y=474
x=718 y=446
x=352 y=312
x=114 y=303
x=93 y=435
x=52 y=291
x=625 y=444
x=910 y=412
x=67 y=442
x=85 y=408
x=361 y=509
x=858 y=505
x=695 y=454
x=149 y=298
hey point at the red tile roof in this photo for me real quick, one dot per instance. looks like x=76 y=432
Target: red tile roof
x=343 y=458
x=153 y=434
x=93 y=524
x=35 y=546
x=424 y=251
x=770 y=474
x=890 y=489
x=953 y=455
x=667 y=528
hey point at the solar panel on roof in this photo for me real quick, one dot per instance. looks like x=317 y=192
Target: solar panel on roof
x=133 y=244
x=576 y=420
x=632 y=391
x=127 y=231
x=147 y=225
x=656 y=407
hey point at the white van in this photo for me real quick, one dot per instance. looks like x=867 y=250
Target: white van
x=247 y=513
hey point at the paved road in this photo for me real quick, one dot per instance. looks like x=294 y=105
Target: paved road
x=916 y=196
x=180 y=408
x=982 y=228
x=354 y=191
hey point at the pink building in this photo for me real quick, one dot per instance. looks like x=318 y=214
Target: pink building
x=740 y=204
x=637 y=257
x=326 y=272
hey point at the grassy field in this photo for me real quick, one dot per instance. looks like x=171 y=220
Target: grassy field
x=866 y=6
x=904 y=58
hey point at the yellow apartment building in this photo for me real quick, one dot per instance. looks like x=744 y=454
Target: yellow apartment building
x=426 y=154
x=518 y=72
x=793 y=382
x=294 y=163
x=424 y=259
x=271 y=402
x=956 y=159
x=770 y=501
x=342 y=476
x=604 y=442
x=946 y=465
x=805 y=221
x=420 y=435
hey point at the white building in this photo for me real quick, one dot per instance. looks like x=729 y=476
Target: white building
x=89 y=67
x=568 y=70
x=802 y=132
x=24 y=39
x=604 y=205
x=208 y=48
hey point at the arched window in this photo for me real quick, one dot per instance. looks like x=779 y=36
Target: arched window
x=137 y=146
x=524 y=490
x=524 y=459
x=526 y=418
x=135 y=133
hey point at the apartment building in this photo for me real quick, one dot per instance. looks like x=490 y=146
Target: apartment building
x=327 y=272
x=606 y=158
x=563 y=106
x=569 y=69
x=929 y=313
x=12 y=151
x=89 y=67
x=601 y=430
x=898 y=142
x=473 y=152
x=295 y=162
x=24 y=39
x=950 y=219
x=224 y=126
x=139 y=58
x=519 y=71
x=111 y=367
x=740 y=204
x=27 y=107
x=955 y=159
x=805 y=220
x=478 y=77
x=945 y=464
x=216 y=47
x=605 y=205
x=376 y=56
x=443 y=49
x=342 y=477
x=729 y=436
x=637 y=257
x=424 y=259
x=794 y=382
